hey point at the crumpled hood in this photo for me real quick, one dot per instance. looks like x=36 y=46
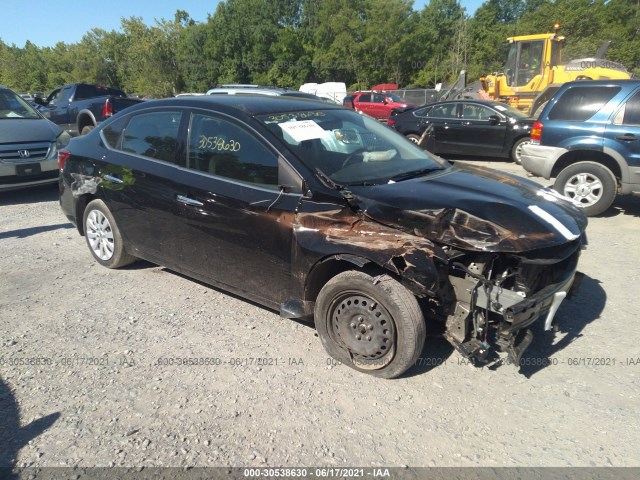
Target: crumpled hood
x=475 y=208
x=17 y=130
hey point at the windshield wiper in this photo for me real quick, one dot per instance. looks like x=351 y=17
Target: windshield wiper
x=327 y=181
x=413 y=174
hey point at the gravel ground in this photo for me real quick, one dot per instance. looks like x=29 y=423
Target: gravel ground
x=86 y=373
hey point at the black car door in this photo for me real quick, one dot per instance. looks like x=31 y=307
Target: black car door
x=237 y=221
x=141 y=177
x=481 y=130
x=443 y=117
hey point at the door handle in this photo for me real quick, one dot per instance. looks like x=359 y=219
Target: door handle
x=113 y=179
x=626 y=137
x=189 y=201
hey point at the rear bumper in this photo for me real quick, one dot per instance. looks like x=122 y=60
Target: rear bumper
x=539 y=159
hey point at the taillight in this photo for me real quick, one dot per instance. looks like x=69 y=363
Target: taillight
x=536 y=132
x=62 y=157
x=391 y=122
x=107 y=109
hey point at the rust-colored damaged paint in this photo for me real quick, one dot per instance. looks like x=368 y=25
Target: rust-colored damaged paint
x=340 y=232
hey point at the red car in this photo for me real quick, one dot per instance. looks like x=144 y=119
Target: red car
x=376 y=104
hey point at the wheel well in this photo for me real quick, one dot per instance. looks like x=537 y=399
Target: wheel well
x=81 y=205
x=572 y=157
x=83 y=121
x=326 y=269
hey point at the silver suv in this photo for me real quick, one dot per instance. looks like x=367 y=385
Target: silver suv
x=29 y=144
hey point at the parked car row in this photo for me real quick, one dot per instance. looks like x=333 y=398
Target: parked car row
x=362 y=231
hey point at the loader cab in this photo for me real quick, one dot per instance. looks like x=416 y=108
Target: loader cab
x=529 y=56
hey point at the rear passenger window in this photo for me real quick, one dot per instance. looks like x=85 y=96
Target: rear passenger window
x=220 y=147
x=579 y=104
x=365 y=97
x=447 y=110
x=153 y=135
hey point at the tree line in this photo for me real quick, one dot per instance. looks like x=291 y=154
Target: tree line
x=289 y=42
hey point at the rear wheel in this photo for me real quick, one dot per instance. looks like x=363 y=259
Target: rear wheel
x=103 y=236
x=413 y=137
x=372 y=324
x=516 y=150
x=590 y=185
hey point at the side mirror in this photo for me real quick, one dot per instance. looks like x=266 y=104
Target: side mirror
x=288 y=179
x=385 y=101
x=494 y=120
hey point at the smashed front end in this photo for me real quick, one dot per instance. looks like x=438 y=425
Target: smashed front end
x=488 y=301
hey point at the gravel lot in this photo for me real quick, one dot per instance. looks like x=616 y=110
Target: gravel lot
x=86 y=373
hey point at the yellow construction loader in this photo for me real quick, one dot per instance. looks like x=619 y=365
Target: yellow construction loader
x=534 y=71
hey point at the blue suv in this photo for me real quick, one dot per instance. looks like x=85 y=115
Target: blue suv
x=588 y=139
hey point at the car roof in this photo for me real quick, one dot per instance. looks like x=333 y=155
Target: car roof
x=603 y=83
x=246 y=104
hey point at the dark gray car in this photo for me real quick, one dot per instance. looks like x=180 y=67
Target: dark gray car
x=29 y=144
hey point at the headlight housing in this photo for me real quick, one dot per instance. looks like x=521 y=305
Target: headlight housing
x=62 y=141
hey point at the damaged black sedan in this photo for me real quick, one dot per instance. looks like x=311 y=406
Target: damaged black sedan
x=322 y=213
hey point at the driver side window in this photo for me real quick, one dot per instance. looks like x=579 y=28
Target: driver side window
x=225 y=149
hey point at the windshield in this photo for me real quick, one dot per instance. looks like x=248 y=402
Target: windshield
x=348 y=148
x=511 y=111
x=13 y=106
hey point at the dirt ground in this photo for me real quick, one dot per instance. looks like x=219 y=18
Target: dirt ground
x=144 y=367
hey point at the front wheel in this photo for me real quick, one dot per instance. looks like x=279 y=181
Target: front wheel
x=372 y=324
x=103 y=236
x=590 y=185
x=516 y=150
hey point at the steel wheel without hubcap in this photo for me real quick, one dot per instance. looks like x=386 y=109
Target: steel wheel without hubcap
x=371 y=323
x=365 y=328
x=100 y=235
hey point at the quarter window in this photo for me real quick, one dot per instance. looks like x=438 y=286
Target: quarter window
x=630 y=113
x=112 y=132
x=220 y=147
x=422 y=112
x=153 y=135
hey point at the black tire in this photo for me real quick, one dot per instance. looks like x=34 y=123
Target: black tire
x=590 y=185
x=86 y=129
x=516 y=150
x=372 y=324
x=413 y=137
x=103 y=236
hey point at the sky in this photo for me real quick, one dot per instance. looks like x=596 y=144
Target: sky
x=40 y=23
